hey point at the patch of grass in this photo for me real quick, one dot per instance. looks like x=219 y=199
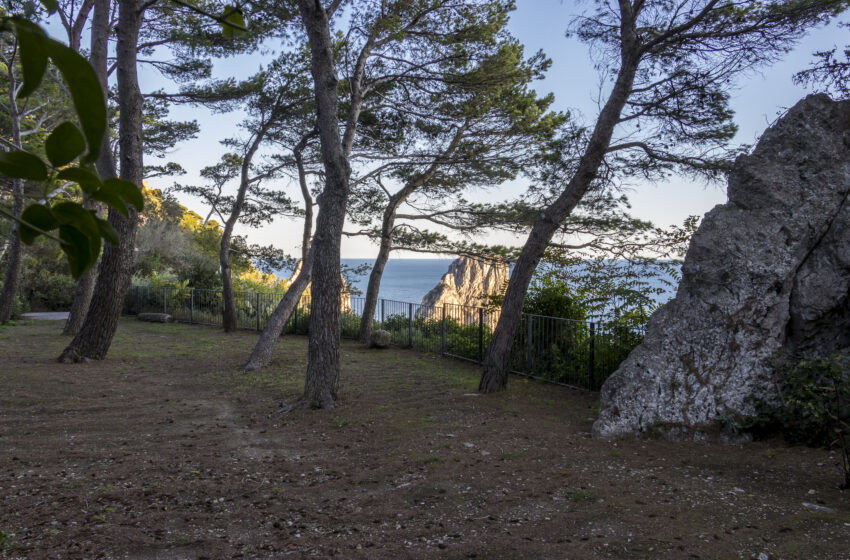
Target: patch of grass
x=429 y=459
x=582 y=495
x=516 y=454
x=7 y=543
x=340 y=422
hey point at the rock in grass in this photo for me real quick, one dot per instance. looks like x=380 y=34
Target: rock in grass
x=768 y=271
x=380 y=339
x=155 y=317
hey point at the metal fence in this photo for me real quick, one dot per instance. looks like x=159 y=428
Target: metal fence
x=563 y=351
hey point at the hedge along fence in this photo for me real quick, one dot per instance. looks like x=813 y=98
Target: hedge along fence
x=567 y=352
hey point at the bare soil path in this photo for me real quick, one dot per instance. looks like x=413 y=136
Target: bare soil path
x=166 y=450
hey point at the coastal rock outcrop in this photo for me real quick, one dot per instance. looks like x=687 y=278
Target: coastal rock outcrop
x=767 y=271
x=468 y=282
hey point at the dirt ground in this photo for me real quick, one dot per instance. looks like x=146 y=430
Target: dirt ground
x=166 y=450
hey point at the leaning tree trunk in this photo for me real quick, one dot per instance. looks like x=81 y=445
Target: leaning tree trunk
x=262 y=354
x=116 y=265
x=496 y=363
x=12 y=278
x=387 y=225
x=374 y=286
x=228 y=307
x=105 y=163
x=82 y=294
x=263 y=350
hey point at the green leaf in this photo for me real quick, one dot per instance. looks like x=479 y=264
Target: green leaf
x=32 y=41
x=111 y=198
x=234 y=16
x=39 y=216
x=86 y=93
x=73 y=214
x=22 y=165
x=87 y=179
x=107 y=231
x=64 y=144
x=126 y=190
x=78 y=248
x=50 y=5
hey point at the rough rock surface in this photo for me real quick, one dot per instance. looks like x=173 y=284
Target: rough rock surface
x=767 y=271
x=468 y=282
x=155 y=317
x=380 y=339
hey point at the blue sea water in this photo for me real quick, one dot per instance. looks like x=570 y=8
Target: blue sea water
x=404 y=279
x=408 y=280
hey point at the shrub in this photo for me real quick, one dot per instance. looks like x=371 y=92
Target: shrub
x=813 y=407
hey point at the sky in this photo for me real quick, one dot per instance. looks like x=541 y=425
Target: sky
x=758 y=99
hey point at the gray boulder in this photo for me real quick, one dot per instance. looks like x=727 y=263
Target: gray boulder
x=768 y=271
x=155 y=317
x=380 y=339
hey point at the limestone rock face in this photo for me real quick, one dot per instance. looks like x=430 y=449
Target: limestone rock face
x=767 y=271
x=468 y=282
x=380 y=339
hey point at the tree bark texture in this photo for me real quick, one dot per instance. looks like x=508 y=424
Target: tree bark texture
x=116 y=265
x=263 y=350
x=322 y=379
x=496 y=362
x=105 y=163
x=12 y=278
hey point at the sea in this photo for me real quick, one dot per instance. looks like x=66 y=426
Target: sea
x=408 y=280
x=405 y=280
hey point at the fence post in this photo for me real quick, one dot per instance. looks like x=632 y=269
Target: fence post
x=591 y=373
x=529 y=333
x=480 y=335
x=443 y=334
x=410 y=325
x=192 y=306
x=164 y=300
x=258 y=310
x=382 y=313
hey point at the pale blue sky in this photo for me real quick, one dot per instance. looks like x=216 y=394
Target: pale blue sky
x=539 y=24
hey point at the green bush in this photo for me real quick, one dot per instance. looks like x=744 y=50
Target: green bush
x=47 y=291
x=813 y=407
x=20 y=307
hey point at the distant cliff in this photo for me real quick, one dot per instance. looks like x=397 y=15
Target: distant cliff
x=468 y=282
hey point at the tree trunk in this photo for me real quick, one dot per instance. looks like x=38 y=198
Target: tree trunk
x=387 y=226
x=262 y=353
x=105 y=163
x=322 y=379
x=228 y=307
x=263 y=350
x=374 y=286
x=16 y=248
x=116 y=265
x=12 y=278
x=496 y=363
